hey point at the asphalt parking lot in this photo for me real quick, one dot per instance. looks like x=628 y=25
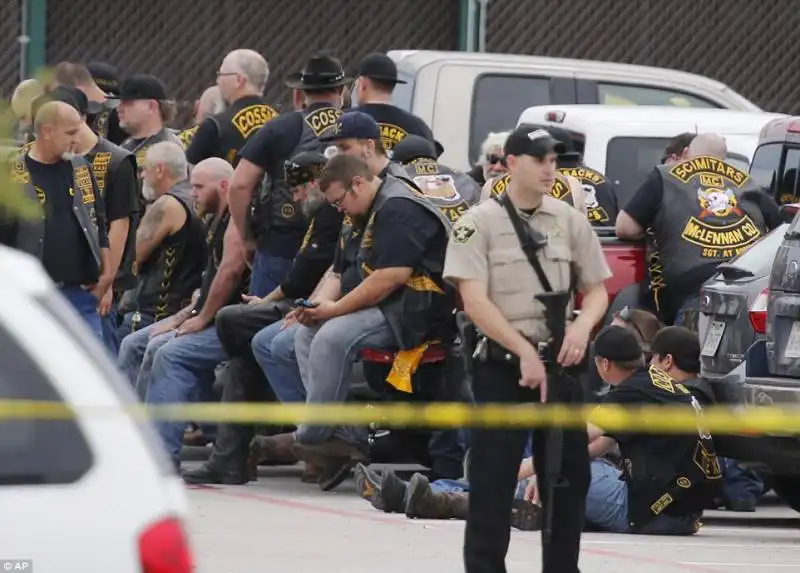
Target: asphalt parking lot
x=282 y=525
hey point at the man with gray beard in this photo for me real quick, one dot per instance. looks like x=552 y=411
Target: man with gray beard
x=170 y=240
x=238 y=324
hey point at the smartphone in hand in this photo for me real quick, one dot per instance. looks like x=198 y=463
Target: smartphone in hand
x=305 y=303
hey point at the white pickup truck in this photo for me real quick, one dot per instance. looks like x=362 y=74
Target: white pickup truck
x=463 y=96
x=625 y=143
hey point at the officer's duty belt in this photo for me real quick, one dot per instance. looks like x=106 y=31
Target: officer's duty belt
x=498 y=353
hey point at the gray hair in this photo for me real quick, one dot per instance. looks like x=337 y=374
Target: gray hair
x=494 y=139
x=171 y=156
x=211 y=102
x=708 y=144
x=252 y=66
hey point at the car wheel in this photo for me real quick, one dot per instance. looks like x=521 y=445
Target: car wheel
x=788 y=488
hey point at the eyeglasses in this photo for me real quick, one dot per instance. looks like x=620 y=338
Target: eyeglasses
x=626 y=316
x=221 y=73
x=494 y=159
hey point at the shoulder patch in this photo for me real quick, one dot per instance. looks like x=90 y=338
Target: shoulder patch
x=463 y=230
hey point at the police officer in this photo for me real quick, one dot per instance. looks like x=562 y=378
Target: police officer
x=600 y=197
x=377 y=79
x=497 y=282
x=270 y=220
x=241 y=78
x=699 y=215
x=451 y=190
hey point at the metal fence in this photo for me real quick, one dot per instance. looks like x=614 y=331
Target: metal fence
x=752 y=46
x=183 y=41
x=10 y=31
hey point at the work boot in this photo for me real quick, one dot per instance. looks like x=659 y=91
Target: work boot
x=526 y=516
x=310 y=474
x=424 y=503
x=393 y=492
x=334 y=458
x=275 y=449
x=208 y=474
x=368 y=486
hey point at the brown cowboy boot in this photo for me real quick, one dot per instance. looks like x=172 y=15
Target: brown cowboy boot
x=424 y=503
x=276 y=449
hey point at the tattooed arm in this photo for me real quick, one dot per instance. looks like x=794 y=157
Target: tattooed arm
x=164 y=217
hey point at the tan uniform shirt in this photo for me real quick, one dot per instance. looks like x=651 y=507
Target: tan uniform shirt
x=575 y=187
x=484 y=247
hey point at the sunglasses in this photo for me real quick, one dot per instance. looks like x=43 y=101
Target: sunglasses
x=495 y=159
x=626 y=315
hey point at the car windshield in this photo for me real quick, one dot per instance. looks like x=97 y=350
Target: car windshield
x=757 y=260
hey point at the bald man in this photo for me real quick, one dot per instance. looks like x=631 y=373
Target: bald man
x=210 y=103
x=174 y=359
x=241 y=79
x=170 y=240
x=71 y=238
x=700 y=216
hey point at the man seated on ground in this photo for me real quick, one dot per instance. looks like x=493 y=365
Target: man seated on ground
x=386 y=292
x=442 y=499
x=676 y=351
x=667 y=480
x=259 y=322
x=170 y=241
x=177 y=356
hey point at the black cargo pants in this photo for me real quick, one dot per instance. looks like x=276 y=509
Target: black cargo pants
x=494 y=459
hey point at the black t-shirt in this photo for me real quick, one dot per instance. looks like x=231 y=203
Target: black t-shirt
x=121 y=190
x=395 y=123
x=316 y=253
x=644 y=205
x=66 y=254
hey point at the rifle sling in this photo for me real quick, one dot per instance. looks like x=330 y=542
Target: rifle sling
x=525 y=241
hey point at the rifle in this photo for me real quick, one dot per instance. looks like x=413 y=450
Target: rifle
x=555 y=310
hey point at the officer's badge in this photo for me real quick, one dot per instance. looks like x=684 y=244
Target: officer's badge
x=463 y=231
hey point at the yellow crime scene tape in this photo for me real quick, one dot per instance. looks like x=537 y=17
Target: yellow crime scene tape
x=645 y=419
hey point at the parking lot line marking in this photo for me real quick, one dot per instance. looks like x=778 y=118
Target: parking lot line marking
x=792 y=546
x=757 y=565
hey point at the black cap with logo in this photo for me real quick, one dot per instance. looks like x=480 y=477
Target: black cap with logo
x=142 y=86
x=322 y=71
x=527 y=140
x=303 y=168
x=413 y=147
x=354 y=125
x=378 y=66
x=105 y=76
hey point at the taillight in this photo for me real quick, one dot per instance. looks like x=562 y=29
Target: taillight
x=164 y=548
x=758 y=312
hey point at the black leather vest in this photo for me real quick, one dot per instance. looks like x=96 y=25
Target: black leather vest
x=421 y=308
x=273 y=207
x=215 y=241
x=680 y=482
x=238 y=123
x=106 y=159
x=30 y=232
x=600 y=197
x=169 y=276
x=452 y=191
x=700 y=221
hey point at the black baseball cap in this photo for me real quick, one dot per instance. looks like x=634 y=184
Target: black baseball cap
x=413 y=147
x=537 y=142
x=617 y=344
x=65 y=94
x=304 y=167
x=105 y=76
x=142 y=86
x=354 y=125
x=379 y=66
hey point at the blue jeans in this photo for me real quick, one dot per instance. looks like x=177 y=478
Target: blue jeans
x=740 y=484
x=110 y=334
x=607 y=505
x=85 y=304
x=268 y=272
x=325 y=356
x=183 y=371
x=273 y=349
x=136 y=354
x=127 y=324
